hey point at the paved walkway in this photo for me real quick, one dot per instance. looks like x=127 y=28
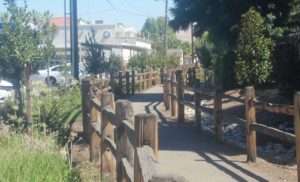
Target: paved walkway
x=196 y=156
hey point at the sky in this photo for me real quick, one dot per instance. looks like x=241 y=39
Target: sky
x=131 y=13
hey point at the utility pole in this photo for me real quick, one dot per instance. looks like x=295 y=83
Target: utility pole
x=166 y=27
x=74 y=40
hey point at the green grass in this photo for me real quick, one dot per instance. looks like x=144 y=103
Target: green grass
x=33 y=159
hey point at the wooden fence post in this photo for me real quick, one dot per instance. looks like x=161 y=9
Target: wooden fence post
x=173 y=95
x=94 y=135
x=250 y=119
x=146 y=133
x=124 y=111
x=127 y=82
x=297 y=130
x=112 y=82
x=168 y=91
x=180 y=96
x=120 y=87
x=86 y=99
x=108 y=161
x=133 y=81
x=218 y=124
x=189 y=76
x=194 y=75
x=197 y=100
x=162 y=75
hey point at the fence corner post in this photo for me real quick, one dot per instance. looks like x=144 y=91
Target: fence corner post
x=127 y=82
x=250 y=119
x=173 y=95
x=197 y=100
x=133 y=81
x=297 y=130
x=146 y=133
x=108 y=161
x=180 y=96
x=218 y=124
x=86 y=99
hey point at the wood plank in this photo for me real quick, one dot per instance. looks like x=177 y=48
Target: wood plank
x=233 y=119
x=188 y=104
x=205 y=91
x=95 y=102
x=275 y=108
x=128 y=170
x=112 y=145
x=188 y=88
x=146 y=163
x=109 y=113
x=273 y=132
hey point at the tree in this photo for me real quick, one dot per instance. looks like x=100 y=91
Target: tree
x=95 y=59
x=154 y=29
x=221 y=20
x=20 y=46
x=254 y=50
x=115 y=63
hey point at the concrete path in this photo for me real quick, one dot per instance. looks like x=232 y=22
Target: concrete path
x=196 y=156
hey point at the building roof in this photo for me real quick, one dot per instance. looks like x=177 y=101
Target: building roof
x=59 y=21
x=119 y=36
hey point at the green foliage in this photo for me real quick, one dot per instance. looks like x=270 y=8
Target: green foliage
x=287 y=69
x=154 y=61
x=21 y=39
x=221 y=19
x=155 y=29
x=53 y=109
x=115 y=62
x=35 y=158
x=205 y=52
x=254 y=50
x=94 y=57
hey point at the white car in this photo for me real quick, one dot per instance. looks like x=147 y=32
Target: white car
x=57 y=74
x=6 y=90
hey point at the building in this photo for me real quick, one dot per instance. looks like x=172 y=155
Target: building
x=115 y=39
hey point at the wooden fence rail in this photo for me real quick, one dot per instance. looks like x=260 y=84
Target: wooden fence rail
x=127 y=145
x=175 y=99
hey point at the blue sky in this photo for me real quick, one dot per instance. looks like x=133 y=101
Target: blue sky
x=129 y=12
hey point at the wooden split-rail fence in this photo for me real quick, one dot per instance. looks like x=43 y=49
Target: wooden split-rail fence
x=175 y=86
x=126 y=145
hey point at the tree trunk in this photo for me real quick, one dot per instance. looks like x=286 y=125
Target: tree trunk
x=19 y=98
x=28 y=99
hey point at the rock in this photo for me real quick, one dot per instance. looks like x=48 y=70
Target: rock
x=279 y=149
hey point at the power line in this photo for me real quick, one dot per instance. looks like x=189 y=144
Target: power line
x=134 y=7
x=124 y=11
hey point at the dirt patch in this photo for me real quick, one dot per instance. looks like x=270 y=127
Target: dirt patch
x=89 y=171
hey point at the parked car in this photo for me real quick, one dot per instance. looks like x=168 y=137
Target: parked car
x=57 y=74
x=6 y=90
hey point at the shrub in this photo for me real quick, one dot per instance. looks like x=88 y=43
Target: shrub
x=254 y=50
x=154 y=61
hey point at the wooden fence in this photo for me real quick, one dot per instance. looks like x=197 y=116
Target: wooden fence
x=127 y=145
x=174 y=90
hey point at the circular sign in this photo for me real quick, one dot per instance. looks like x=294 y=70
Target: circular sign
x=106 y=34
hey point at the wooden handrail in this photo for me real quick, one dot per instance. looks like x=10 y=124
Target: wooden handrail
x=276 y=108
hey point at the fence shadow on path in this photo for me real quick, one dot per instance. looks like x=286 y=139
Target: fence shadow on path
x=183 y=137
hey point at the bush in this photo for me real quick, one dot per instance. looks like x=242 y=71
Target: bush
x=254 y=50
x=35 y=158
x=53 y=108
x=154 y=61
